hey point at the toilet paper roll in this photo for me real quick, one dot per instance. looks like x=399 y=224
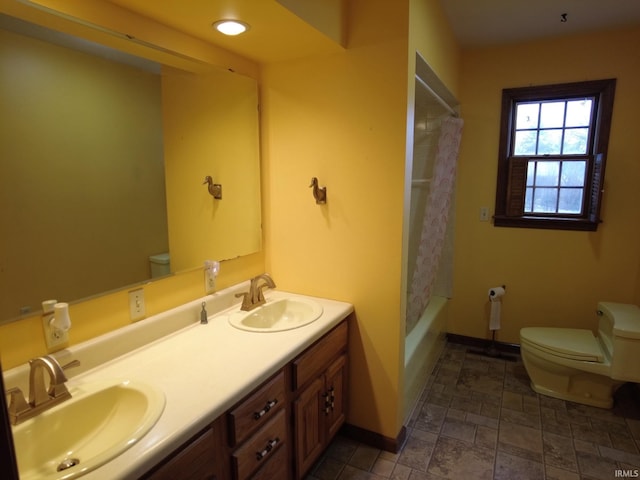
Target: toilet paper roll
x=495 y=297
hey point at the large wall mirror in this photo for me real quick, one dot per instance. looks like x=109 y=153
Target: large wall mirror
x=102 y=162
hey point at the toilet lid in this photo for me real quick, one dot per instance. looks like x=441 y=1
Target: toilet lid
x=573 y=343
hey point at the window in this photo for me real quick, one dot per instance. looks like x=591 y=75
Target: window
x=553 y=147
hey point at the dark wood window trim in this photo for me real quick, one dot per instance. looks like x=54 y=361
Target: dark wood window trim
x=510 y=190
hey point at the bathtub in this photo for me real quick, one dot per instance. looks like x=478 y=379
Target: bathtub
x=422 y=347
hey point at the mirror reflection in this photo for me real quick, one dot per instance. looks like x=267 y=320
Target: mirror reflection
x=102 y=160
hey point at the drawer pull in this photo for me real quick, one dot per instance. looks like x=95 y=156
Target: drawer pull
x=267 y=449
x=268 y=406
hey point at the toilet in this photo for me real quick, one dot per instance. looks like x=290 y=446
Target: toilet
x=573 y=364
x=160 y=265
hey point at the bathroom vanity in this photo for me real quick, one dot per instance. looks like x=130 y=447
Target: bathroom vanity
x=278 y=430
x=237 y=404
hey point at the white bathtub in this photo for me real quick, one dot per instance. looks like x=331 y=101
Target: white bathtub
x=422 y=347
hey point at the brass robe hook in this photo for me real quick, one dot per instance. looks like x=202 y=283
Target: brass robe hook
x=215 y=189
x=320 y=194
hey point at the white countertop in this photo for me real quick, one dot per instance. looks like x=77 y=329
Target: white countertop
x=203 y=370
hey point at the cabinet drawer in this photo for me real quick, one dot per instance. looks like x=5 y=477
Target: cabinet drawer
x=256 y=409
x=259 y=449
x=316 y=359
x=276 y=467
x=193 y=460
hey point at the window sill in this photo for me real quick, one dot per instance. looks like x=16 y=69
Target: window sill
x=557 y=223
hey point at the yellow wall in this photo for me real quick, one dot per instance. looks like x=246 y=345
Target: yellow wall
x=432 y=37
x=553 y=278
x=341 y=118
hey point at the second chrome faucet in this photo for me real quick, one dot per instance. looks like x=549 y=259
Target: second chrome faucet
x=255 y=296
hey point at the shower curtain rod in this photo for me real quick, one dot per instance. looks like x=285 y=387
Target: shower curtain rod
x=448 y=107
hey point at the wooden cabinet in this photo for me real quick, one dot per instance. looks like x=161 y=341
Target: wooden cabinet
x=199 y=458
x=320 y=382
x=305 y=401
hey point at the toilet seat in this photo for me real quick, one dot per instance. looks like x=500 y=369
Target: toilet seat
x=570 y=343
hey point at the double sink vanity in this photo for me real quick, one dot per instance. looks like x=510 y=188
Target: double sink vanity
x=243 y=394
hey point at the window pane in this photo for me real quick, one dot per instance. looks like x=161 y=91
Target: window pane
x=528 y=199
x=547 y=174
x=573 y=174
x=549 y=142
x=531 y=171
x=579 y=113
x=552 y=115
x=570 y=200
x=527 y=115
x=525 y=143
x=575 y=141
x=545 y=200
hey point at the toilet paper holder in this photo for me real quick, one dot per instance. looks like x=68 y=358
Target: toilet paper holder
x=492 y=291
x=491 y=349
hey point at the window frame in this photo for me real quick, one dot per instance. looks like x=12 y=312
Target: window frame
x=511 y=181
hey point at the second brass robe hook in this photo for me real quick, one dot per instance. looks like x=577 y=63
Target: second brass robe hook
x=320 y=194
x=215 y=189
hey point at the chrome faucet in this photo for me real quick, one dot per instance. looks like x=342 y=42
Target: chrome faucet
x=41 y=398
x=255 y=297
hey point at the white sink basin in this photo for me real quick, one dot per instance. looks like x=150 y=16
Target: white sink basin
x=277 y=315
x=98 y=423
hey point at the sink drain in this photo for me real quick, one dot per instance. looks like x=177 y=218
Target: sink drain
x=68 y=463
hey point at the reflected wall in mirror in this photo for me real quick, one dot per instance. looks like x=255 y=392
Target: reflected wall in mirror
x=88 y=145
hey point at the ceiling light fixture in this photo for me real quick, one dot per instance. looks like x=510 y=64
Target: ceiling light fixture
x=230 y=27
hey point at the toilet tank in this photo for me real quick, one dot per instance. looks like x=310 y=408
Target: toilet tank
x=619 y=329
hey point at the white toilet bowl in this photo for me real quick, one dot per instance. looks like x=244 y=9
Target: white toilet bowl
x=573 y=364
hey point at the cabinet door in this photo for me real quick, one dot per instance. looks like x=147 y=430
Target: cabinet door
x=336 y=388
x=309 y=431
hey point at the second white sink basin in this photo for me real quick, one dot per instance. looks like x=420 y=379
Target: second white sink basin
x=277 y=315
x=98 y=423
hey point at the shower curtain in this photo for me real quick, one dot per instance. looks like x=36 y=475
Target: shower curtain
x=436 y=217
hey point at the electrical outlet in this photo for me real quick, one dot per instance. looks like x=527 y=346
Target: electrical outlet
x=209 y=281
x=52 y=336
x=484 y=214
x=136 y=304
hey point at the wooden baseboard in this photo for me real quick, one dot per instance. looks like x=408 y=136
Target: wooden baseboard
x=373 y=439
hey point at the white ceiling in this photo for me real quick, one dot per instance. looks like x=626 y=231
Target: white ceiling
x=491 y=22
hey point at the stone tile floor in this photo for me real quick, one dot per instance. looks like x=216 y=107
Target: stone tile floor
x=478 y=418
